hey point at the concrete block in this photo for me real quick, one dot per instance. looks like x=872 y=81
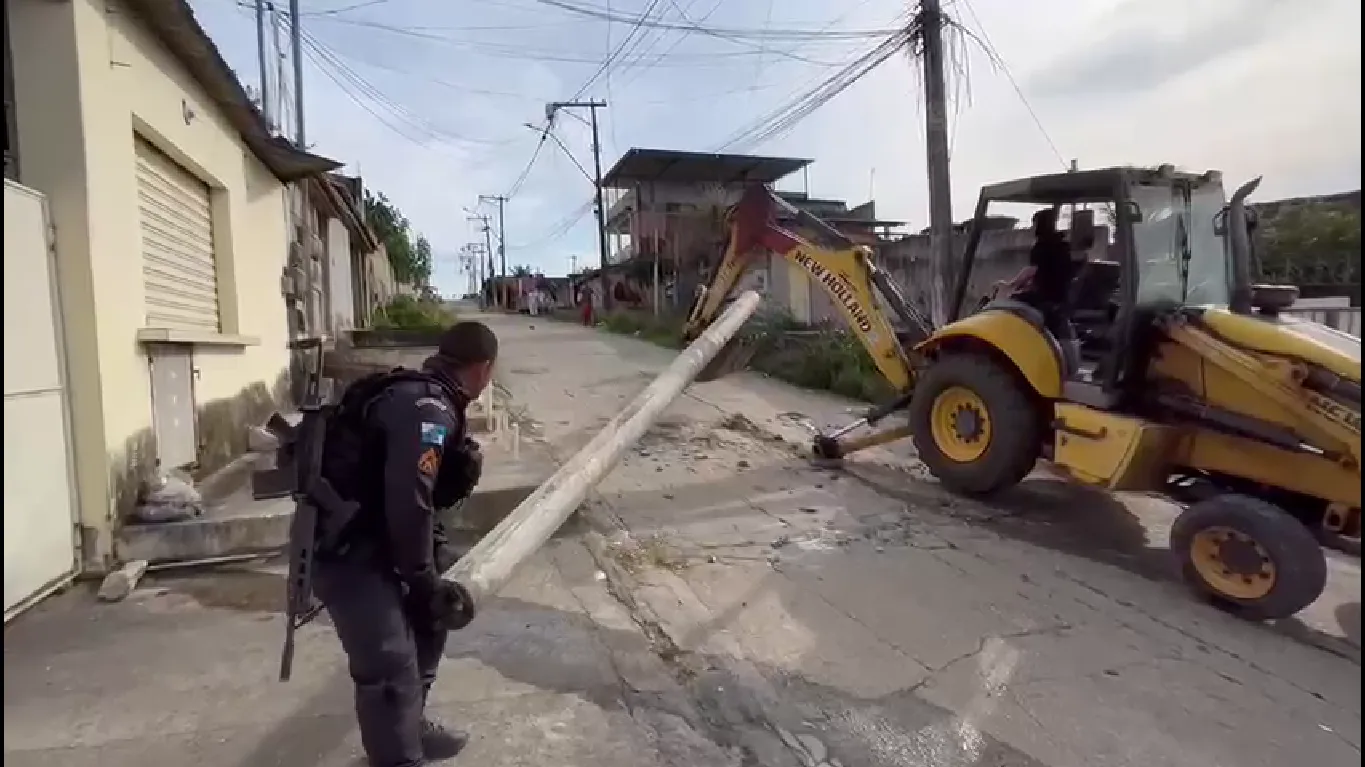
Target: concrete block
x=118 y=584
x=246 y=526
x=259 y=527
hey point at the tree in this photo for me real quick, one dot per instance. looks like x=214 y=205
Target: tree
x=1311 y=241
x=409 y=255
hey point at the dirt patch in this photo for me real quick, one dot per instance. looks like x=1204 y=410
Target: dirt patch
x=652 y=552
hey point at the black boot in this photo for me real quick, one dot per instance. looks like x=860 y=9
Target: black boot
x=440 y=742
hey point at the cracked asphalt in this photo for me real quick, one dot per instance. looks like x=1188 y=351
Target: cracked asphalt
x=865 y=617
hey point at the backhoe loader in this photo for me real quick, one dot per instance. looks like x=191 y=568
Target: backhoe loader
x=1182 y=376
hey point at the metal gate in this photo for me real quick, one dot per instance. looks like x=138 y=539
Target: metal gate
x=40 y=497
x=179 y=273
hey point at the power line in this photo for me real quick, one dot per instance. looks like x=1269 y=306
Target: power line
x=561 y=228
x=526 y=172
x=549 y=117
x=785 y=117
x=750 y=33
x=636 y=27
x=555 y=138
x=520 y=51
x=994 y=55
x=419 y=123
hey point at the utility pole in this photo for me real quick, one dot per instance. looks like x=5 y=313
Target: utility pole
x=573 y=264
x=261 y=62
x=488 y=250
x=592 y=107
x=296 y=51
x=501 y=200
x=941 y=260
x=475 y=251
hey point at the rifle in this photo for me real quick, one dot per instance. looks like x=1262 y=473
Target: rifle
x=303 y=446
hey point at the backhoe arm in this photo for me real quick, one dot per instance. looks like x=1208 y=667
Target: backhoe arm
x=844 y=270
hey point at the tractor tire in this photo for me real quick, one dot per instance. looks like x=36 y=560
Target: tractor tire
x=975 y=426
x=1249 y=556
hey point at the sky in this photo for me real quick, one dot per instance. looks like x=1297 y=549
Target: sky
x=430 y=100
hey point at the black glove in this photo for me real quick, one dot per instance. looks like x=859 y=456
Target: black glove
x=440 y=605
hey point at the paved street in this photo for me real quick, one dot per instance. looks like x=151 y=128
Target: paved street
x=865 y=618
x=724 y=603
x=183 y=673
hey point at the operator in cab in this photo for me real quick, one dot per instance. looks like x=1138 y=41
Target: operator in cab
x=1049 y=276
x=1050 y=258
x=401 y=452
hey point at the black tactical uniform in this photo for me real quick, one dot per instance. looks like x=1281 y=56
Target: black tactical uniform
x=399 y=450
x=1050 y=257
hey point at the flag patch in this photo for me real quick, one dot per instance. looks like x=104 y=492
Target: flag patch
x=433 y=433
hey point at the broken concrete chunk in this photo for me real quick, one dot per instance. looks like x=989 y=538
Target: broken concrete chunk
x=118 y=584
x=169 y=497
x=260 y=440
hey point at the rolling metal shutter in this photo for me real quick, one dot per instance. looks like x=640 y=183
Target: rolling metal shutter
x=179 y=276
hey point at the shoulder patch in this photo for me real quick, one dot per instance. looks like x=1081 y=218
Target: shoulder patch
x=434 y=433
x=429 y=462
x=433 y=402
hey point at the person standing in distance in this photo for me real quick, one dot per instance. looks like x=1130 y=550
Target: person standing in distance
x=401 y=452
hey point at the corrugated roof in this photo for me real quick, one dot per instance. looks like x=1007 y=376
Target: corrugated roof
x=676 y=167
x=174 y=24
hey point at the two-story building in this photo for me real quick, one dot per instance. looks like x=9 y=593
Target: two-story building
x=146 y=243
x=668 y=220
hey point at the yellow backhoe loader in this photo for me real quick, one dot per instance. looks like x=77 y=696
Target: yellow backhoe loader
x=1183 y=377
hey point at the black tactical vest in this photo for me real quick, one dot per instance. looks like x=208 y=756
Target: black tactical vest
x=353 y=454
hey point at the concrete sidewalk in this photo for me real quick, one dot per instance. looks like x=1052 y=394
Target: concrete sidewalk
x=553 y=672
x=865 y=618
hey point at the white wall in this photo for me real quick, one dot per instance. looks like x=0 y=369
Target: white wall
x=340 y=281
x=88 y=81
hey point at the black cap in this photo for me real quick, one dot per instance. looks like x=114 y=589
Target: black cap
x=468 y=343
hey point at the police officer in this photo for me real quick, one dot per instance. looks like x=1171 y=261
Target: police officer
x=400 y=450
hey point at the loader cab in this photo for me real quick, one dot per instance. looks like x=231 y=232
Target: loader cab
x=1167 y=246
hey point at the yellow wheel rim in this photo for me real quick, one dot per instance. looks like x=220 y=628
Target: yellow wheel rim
x=1232 y=563
x=960 y=424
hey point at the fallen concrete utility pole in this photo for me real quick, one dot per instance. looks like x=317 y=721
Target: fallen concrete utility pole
x=490 y=564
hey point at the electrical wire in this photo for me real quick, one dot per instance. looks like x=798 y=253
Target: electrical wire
x=553 y=137
x=458 y=87
x=344 y=9
x=635 y=28
x=520 y=51
x=742 y=33
x=560 y=229
x=416 y=122
x=526 y=172
x=785 y=117
x=994 y=55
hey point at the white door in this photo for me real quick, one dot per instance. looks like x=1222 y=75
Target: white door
x=40 y=529
x=179 y=273
x=172 y=372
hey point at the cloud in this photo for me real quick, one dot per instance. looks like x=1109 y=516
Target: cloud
x=1251 y=86
x=1147 y=44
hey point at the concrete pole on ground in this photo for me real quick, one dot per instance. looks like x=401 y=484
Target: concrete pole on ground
x=493 y=560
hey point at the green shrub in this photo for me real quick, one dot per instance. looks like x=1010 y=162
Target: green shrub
x=825 y=359
x=664 y=330
x=409 y=313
